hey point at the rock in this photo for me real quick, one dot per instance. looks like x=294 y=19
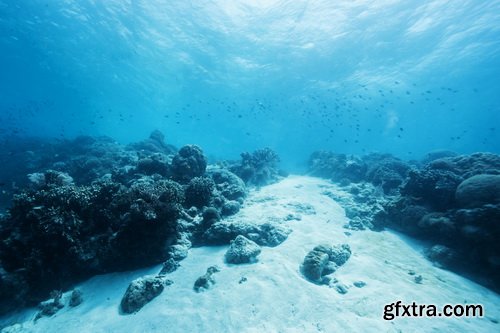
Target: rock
x=178 y=252
x=272 y=235
x=341 y=288
x=359 y=284
x=293 y=217
x=314 y=264
x=479 y=190
x=340 y=254
x=242 y=250
x=51 y=307
x=330 y=268
x=141 y=291
x=324 y=260
x=205 y=281
x=76 y=298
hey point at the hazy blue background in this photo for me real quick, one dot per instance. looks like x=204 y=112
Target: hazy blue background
x=403 y=77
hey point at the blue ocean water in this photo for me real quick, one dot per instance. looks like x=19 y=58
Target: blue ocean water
x=403 y=77
x=285 y=102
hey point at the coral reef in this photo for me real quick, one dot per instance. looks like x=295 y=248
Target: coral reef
x=448 y=199
x=92 y=206
x=65 y=233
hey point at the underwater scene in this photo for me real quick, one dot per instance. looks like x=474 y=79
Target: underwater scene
x=249 y=166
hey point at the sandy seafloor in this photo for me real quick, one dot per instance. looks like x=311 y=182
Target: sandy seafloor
x=275 y=297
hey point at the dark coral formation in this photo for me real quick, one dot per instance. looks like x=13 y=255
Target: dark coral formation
x=258 y=168
x=84 y=158
x=199 y=192
x=451 y=200
x=59 y=234
x=189 y=162
x=96 y=206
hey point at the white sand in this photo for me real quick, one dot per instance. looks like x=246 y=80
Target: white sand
x=275 y=297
